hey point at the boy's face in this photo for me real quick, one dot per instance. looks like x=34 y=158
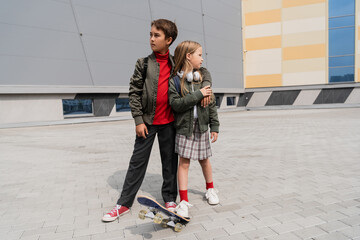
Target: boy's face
x=195 y=58
x=158 y=42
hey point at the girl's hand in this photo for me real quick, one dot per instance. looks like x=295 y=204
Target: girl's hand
x=205 y=101
x=206 y=91
x=214 y=136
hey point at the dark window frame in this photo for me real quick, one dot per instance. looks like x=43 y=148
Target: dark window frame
x=126 y=109
x=77 y=111
x=350 y=76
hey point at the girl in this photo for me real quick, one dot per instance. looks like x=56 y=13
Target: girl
x=192 y=120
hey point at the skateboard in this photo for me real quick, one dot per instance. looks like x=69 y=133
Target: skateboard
x=154 y=212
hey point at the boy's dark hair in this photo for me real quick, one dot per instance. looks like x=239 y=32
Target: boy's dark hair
x=168 y=27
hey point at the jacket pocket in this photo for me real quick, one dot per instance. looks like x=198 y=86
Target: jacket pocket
x=180 y=121
x=203 y=114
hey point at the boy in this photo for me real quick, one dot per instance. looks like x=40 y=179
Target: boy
x=149 y=103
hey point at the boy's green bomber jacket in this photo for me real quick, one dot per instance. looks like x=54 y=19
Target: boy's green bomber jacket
x=143 y=92
x=183 y=107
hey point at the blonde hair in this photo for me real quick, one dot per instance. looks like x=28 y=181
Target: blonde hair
x=182 y=63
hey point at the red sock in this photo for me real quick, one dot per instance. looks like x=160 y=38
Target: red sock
x=183 y=195
x=209 y=185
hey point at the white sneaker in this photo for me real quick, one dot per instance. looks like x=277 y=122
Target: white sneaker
x=183 y=208
x=212 y=197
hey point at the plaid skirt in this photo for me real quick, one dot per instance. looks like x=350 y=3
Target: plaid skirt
x=196 y=147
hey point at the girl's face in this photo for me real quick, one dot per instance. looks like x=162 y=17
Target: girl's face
x=196 y=58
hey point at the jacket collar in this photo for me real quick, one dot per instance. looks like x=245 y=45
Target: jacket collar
x=152 y=57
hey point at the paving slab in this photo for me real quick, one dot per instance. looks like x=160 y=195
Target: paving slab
x=281 y=174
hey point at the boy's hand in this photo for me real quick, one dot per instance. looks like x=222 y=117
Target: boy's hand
x=206 y=91
x=205 y=101
x=141 y=130
x=214 y=136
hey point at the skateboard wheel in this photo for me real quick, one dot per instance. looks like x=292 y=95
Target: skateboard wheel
x=158 y=218
x=142 y=214
x=178 y=227
x=164 y=223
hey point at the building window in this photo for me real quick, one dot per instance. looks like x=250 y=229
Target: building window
x=341 y=40
x=122 y=105
x=218 y=101
x=230 y=101
x=77 y=107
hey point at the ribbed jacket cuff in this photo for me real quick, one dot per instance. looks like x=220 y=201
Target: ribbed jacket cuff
x=198 y=95
x=214 y=129
x=138 y=120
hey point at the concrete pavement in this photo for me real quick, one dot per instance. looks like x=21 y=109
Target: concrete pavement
x=281 y=174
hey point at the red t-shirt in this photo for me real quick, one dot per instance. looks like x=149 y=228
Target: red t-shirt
x=163 y=112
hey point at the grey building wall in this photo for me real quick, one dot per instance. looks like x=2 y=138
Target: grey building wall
x=64 y=49
x=95 y=43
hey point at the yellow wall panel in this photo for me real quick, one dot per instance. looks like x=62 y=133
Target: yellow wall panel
x=358 y=33
x=263 y=43
x=306 y=11
x=260 y=5
x=263 y=30
x=304 y=25
x=304 y=65
x=295 y=3
x=357 y=66
x=263 y=17
x=302 y=52
x=304 y=78
x=304 y=38
x=271 y=80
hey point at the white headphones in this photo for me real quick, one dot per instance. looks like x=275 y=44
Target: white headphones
x=190 y=76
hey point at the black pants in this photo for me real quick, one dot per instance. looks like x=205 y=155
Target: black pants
x=140 y=159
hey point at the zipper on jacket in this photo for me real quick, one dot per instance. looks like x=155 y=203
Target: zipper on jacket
x=153 y=110
x=192 y=116
x=191 y=124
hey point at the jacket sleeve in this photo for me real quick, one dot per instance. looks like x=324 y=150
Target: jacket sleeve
x=206 y=77
x=213 y=117
x=135 y=92
x=185 y=103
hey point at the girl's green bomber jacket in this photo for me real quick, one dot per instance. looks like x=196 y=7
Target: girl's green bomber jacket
x=183 y=108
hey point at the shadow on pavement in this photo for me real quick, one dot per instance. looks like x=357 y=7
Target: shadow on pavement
x=151 y=185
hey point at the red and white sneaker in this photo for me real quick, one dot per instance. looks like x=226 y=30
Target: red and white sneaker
x=115 y=213
x=170 y=206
